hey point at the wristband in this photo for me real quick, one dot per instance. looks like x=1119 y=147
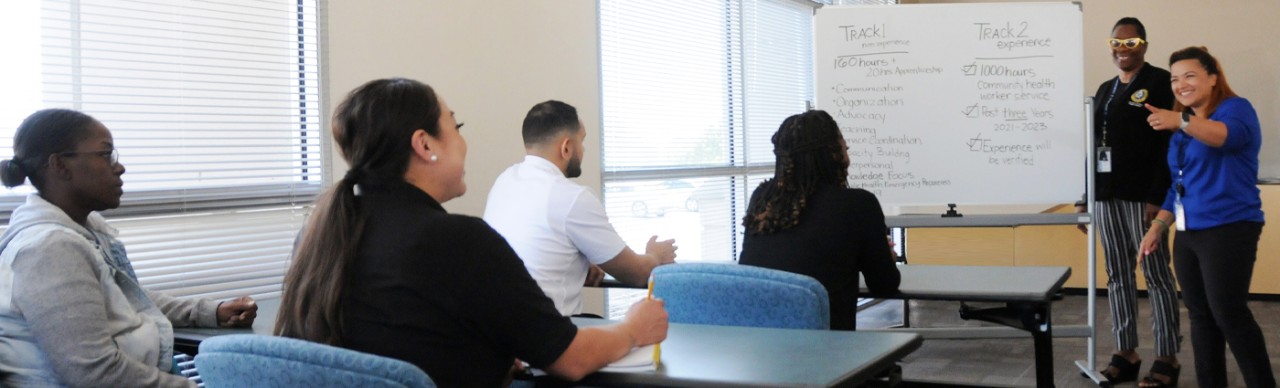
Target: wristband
x=1162 y=223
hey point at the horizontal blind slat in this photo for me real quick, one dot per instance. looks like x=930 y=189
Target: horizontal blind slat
x=215 y=106
x=723 y=74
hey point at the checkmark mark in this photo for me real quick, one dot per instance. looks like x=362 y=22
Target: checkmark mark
x=970 y=69
x=974 y=141
x=971 y=111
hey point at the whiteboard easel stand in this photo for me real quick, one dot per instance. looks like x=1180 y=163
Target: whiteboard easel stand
x=1087 y=365
x=1089 y=329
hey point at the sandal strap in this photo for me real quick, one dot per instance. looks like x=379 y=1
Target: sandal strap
x=1166 y=369
x=1149 y=382
x=1125 y=371
x=1120 y=362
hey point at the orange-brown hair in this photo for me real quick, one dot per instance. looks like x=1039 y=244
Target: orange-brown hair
x=1220 y=92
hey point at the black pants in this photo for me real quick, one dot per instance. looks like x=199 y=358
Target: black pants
x=1215 y=267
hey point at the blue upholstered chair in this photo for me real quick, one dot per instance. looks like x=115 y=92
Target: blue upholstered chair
x=249 y=360
x=741 y=295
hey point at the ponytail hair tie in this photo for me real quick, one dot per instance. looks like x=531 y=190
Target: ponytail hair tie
x=353 y=176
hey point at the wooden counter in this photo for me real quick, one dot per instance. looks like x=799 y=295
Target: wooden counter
x=1064 y=246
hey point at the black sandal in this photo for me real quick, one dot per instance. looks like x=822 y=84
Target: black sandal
x=1164 y=369
x=1125 y=371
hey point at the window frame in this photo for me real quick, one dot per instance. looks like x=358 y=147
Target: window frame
x=211 y=236
x=230 y=197
x=739 y=168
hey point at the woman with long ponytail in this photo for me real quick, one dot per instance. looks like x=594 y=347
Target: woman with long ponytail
x=382 y=268
x=369 y=128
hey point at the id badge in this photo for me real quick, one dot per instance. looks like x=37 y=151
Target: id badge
x=1104 y=159
x=1180 y=217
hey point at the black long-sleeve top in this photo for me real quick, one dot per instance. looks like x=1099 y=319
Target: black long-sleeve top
x=1137 y=151
x=841 y=233
x=444 y=292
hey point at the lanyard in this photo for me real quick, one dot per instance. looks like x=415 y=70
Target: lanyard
x=1106 y=108
x=1183 y=139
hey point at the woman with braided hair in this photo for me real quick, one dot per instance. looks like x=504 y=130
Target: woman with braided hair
x=807 y=220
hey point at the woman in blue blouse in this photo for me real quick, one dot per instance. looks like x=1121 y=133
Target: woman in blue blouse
x=1214 y=204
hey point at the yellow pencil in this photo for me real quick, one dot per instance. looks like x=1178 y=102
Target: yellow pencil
x=657 y=348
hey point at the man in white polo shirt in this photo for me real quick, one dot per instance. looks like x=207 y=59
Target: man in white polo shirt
x=558 y=227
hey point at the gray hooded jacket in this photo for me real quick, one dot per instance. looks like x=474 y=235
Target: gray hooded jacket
x=72 y=312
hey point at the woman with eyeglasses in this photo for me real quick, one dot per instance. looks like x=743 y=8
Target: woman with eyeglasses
x=1130 y=184
x=1215 y=205
x=71 y=310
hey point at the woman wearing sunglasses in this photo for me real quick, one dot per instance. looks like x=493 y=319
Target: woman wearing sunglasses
x=1215 y=205
x=71 y=310
x=1130 y=184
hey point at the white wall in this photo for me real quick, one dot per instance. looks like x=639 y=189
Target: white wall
x=490 y=60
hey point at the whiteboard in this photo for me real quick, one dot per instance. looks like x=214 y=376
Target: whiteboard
x=957 y=103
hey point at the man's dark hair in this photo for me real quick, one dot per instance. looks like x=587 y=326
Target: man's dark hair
x=547 y=120
x=1132 y=21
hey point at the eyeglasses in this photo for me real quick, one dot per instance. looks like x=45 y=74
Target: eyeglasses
x=112 y=155
x=1126 y=43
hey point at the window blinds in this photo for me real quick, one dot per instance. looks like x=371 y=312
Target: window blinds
x=691 y=93
x=214 y=255
x=215 y=110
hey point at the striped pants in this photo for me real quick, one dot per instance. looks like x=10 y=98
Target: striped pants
x=1120 y=224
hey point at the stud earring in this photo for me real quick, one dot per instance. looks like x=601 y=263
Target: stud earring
x=434 y=158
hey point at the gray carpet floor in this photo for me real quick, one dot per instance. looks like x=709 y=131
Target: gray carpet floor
x=1010 y=362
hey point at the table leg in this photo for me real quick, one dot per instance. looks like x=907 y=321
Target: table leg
x=1032 y=317
x=906 y=313
x=1043 y=337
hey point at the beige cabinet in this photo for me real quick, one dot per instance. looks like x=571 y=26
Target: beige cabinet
x=1065 y=245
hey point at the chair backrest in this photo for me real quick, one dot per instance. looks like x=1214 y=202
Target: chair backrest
x=252 y=360
x=741 y=295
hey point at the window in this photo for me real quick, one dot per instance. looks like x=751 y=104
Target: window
x=215 y=110
x=692 y=92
